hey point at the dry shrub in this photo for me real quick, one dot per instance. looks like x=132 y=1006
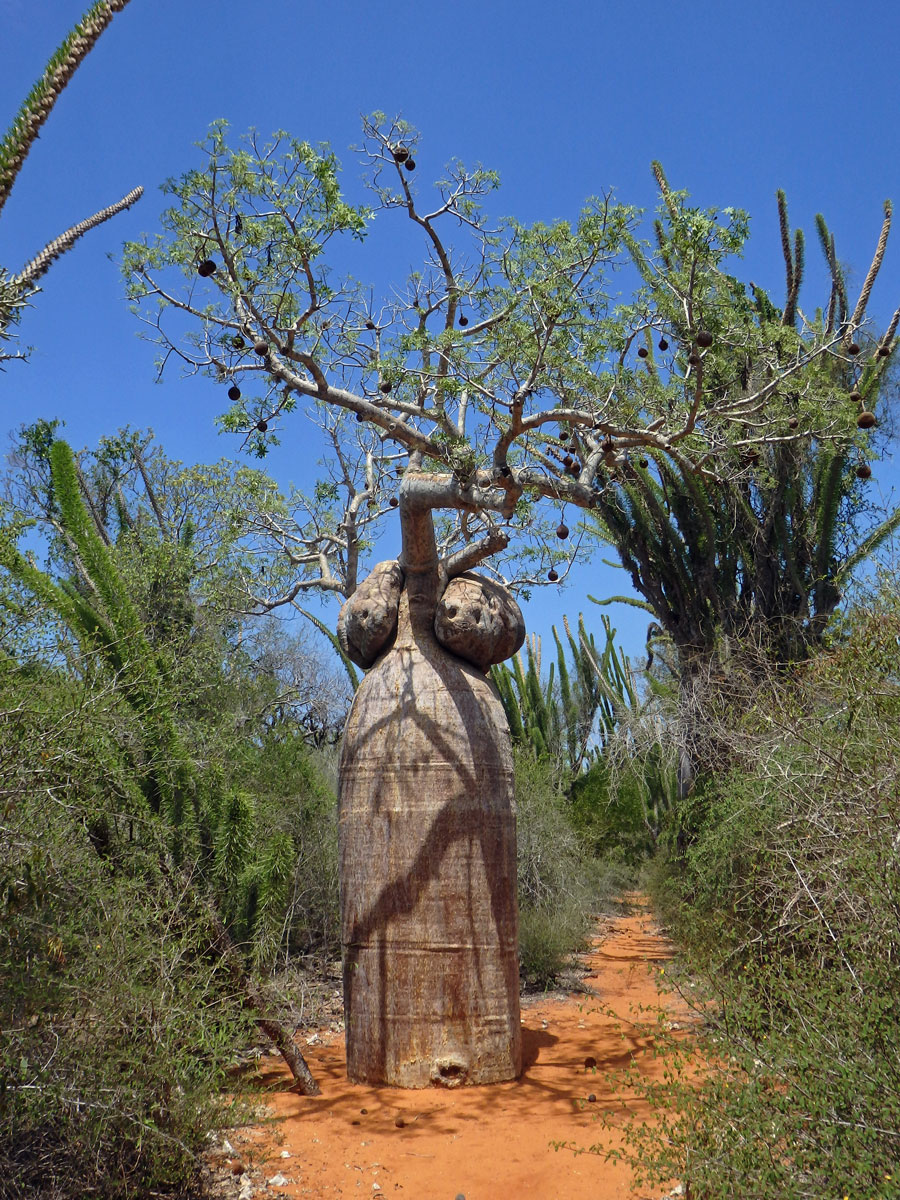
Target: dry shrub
x=786 y=900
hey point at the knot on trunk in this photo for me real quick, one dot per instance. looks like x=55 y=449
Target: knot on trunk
x=367 y=621
x=478 y=620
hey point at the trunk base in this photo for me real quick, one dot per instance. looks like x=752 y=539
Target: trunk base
x=428 y=876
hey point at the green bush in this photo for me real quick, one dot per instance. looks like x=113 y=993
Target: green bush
x=611 y=811
x=787 y=907
x=118 y=1018
x=547 y=940
x=287 y=895
x=561 y=885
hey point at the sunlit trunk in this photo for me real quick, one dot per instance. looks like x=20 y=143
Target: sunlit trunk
x=428 y=864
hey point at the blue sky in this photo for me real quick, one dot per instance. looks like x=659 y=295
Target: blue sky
x=735 y=100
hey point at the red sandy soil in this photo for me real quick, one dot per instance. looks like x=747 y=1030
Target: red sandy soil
x=481 y=1143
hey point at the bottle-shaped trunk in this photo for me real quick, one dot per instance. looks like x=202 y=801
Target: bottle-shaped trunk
x=428 y=869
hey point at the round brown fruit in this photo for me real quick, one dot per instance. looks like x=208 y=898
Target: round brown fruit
x=856 y=396
x=853 y=348
x=234 y=392
x=663 y=344
x=463 y=321
x=704 y=338
x=644 y=464
x=562 y=532
x=552 y=575
x=399 y=1122
x=393 y=501
x=642 y=352
x=590 y=1062
x=694 y=359
x=410 y=164
x=401 y=154
x=261 y=348
x=793 y=423
x=262 y=426
x=884 y=351
x=866 y=420
x=386 y=386
x=592 y=1099
x=370 y=324
x=863 y=471
x=206 y=268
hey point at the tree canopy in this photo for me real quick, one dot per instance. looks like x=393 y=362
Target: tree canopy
x=503 y=370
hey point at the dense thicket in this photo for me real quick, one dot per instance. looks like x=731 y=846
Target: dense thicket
x=166 y=836
x=786 y=907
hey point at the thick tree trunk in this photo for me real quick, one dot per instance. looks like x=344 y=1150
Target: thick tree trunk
x=428 y=866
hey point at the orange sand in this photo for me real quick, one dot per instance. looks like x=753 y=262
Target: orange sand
x=483 y=1143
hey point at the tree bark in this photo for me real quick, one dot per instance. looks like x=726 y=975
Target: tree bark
x=429 y=919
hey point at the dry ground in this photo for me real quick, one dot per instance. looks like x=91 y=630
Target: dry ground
x=481 y=1143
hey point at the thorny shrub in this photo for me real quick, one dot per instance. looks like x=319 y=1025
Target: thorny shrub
x=787 y=906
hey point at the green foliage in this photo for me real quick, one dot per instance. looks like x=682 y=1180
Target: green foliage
x=141 y=623
x=179 y=781
x=756 y=544
x=605 y=743
x=548 y=939
x=623 y=809
x=569 y=716
x=763 y=557
x=507 y=361
x=561 y=885
x=785 y=904
x=113 y=1058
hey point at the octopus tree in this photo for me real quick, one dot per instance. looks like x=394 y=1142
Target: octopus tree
x=16 y=289
x=503 y=374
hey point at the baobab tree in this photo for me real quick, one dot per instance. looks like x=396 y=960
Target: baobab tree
x=503 y=379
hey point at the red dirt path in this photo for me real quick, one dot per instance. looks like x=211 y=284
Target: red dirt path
x=483 y=1143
